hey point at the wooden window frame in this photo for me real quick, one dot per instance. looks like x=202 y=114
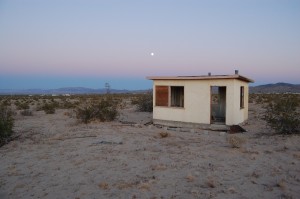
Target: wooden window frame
x=167 y=103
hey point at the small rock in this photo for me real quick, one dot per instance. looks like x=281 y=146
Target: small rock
x=231 y=190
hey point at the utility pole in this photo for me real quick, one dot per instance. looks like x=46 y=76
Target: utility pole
x=107 y=86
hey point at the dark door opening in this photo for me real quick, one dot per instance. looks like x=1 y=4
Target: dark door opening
x=218 y=104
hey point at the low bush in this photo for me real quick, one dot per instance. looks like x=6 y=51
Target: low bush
x=85 y=114
x=282 y=115
x=6 y=102
x=6 y=123
x=26 y=112
x=144 y=102
x=49 y=108
x=105 y=110
x=22 y=105
x=65 y=104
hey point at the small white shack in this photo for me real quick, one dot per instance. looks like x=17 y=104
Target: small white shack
x=194 y=101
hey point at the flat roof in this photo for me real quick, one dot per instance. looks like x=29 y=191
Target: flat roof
x=203 y=77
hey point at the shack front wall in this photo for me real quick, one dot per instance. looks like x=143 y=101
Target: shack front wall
x=197 y=101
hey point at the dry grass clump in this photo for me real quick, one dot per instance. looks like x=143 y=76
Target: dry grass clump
x=297 y=155
x=125 y=185
x=103 y=185
x=281 y=184
x=144 y=186
x=235 y=141
x=164 y=134
x=190 y=178
x=159 y=167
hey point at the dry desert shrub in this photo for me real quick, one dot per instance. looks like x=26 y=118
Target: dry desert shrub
x=26 y=112
x=5 y=102
x=282 y=114
x=66 y=104
x=164 y=134
x=105 y=110
x=6 y=123
x=144 y=102
x=235 y=141
x=21 y=105
x=67 y=113
x=251 y=97
x=49 y=108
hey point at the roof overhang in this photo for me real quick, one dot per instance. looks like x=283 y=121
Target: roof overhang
x=207 y=77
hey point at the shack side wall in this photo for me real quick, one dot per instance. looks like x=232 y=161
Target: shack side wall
x=197 y=99
x=240 y=114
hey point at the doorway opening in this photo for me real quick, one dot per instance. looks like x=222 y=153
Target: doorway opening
x=218 y=105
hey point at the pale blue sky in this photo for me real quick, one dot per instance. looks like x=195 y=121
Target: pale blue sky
x=53 y=43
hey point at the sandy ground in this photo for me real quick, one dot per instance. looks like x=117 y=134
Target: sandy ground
x=56 y=157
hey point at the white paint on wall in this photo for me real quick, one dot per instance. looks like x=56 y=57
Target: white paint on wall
x=197 y=94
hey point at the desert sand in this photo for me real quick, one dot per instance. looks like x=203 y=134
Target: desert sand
x=58 y=157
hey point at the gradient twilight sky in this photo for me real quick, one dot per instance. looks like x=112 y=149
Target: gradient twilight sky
x=55 y=43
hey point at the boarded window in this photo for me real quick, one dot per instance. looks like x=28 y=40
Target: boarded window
x=177 y=96
x=242 y=92
x=161 y=95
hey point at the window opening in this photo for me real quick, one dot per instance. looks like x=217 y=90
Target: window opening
x=242 y=97
x=177 y=96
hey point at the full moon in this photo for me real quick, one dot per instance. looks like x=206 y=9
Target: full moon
x=152 y=54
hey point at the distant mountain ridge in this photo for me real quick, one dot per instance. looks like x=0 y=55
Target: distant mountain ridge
x=276 y=88
x=66 y=90
x=267 y=88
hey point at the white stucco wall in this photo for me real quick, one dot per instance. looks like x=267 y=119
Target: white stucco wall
x=197 y=101
x=240 y=114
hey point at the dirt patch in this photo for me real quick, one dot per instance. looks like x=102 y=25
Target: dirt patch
x=56 y=157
